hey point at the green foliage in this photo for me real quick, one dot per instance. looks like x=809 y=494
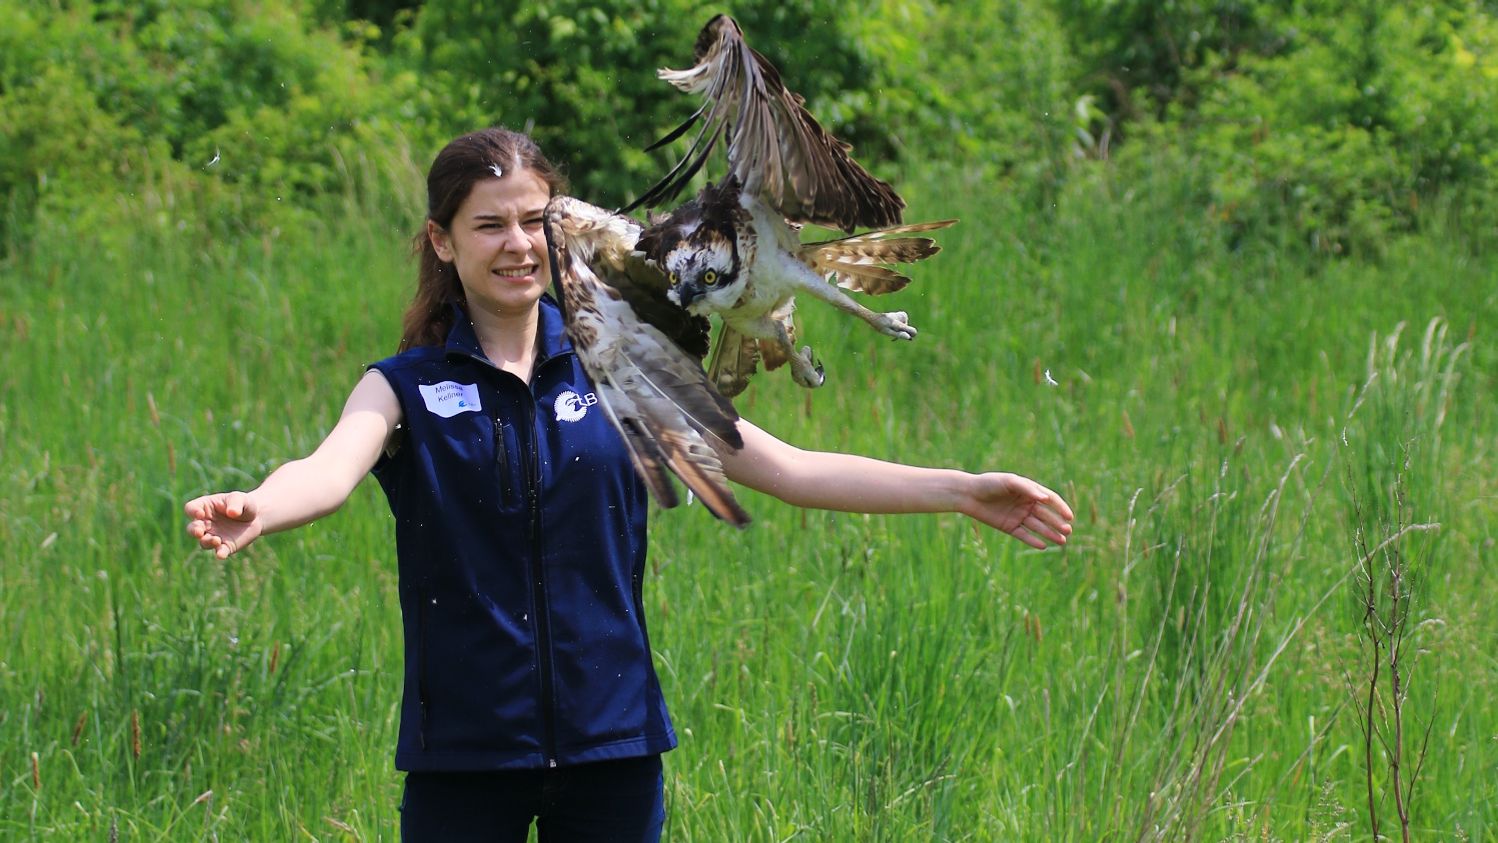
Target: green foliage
x=1354 y=123
x=904 y=81
x=580 y=75
x=1335 y=125
x=1345 y=126
x=111 y=98
x=1146 y=50
x=997 y=105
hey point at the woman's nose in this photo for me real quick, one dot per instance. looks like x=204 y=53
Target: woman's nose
x=515 y=239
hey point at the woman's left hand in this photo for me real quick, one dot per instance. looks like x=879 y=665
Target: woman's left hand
x=1020 y=507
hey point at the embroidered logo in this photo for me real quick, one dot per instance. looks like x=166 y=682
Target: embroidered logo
x=571 y=407
x=449 y=398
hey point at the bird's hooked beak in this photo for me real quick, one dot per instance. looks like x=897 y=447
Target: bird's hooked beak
x=688 y=292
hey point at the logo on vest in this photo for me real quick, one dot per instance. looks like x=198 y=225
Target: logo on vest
x=449 y=398
x=571 y=407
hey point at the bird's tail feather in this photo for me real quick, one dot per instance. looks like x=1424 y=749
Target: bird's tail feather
x=735 y=358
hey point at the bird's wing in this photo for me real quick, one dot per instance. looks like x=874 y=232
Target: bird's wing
x=644 y=355
x=776 y=148
x=857 y=263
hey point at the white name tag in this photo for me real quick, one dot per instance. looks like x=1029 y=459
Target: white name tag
x=447 y=399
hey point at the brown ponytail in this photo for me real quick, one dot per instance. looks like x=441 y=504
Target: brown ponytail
x=458 y=167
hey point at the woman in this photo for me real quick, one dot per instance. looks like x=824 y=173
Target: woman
x=520 y=527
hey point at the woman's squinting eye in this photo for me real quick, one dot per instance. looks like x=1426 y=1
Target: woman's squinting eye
x=710 y=278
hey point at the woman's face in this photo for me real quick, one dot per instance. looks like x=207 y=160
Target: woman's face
x=497 y=244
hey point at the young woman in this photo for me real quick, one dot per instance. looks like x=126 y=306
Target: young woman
x=520 y=527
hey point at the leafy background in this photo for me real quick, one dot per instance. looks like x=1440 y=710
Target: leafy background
x=1339 y=121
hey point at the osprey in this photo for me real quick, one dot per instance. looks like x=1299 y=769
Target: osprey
x=635 y=300
x=643 y=354
x=735 y=249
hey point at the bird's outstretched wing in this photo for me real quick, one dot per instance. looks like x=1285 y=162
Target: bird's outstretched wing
x=644 y=355
x=776 y=148
x=860 y=262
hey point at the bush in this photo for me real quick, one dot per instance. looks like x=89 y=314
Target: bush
x=988 y=85
x=1344 y=125
x=98 y=98
x=1338 y=126
x=1139 y=56
x=580 y=75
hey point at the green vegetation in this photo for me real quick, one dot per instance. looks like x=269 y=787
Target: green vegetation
x=1270 y=348
x=1336 y=124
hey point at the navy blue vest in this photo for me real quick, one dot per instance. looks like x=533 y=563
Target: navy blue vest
x=520 y=533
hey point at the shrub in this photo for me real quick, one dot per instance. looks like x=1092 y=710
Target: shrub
x=580 y=75
x=1342 y=125
x=97 y=98
x=988 y=85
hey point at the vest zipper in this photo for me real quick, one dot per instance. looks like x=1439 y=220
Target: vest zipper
x=538 y=596
x=502 y=462
x=421 y=670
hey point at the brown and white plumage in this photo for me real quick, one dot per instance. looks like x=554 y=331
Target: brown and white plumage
x=858 y=263
x=644 y=356
x=778 y=151
x=734 y=250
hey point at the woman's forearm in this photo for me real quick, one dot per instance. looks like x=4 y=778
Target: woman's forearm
x=849 y=483
x=297 y=493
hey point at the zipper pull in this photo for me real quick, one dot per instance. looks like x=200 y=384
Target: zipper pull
x=501 y=455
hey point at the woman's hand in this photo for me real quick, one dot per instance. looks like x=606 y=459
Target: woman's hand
x=305 y=489
x=225 y=523
x=1020 y=507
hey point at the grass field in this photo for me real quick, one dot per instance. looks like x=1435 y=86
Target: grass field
x=1237 y=424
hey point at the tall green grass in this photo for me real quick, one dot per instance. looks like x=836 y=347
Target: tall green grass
x=1183 y=670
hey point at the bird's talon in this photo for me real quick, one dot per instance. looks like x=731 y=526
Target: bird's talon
x=897 y=324
x=809 y=373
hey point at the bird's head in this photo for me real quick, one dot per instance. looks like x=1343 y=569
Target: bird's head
x=703 y=272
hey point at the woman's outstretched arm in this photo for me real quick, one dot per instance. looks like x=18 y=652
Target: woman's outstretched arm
x=1008 y=502
x=306 y=489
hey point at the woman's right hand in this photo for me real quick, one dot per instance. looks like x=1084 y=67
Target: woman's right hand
x=304 y=489
x=225 y=523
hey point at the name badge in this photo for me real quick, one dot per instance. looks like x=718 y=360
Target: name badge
x=449 y=398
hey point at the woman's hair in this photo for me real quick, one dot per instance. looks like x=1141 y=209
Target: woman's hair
x=460 y=165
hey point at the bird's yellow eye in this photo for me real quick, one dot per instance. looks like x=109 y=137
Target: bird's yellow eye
x=672 y=278
x=710 y=278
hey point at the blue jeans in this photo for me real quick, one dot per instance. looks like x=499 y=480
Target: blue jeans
x=621 y=801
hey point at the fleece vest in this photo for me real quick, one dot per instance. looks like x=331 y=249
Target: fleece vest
x=520 y=535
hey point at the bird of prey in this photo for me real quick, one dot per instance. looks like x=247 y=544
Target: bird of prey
x=644 y=355
x=735 y=249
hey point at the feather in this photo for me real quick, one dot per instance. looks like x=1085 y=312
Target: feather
x=855 y=262
x=775 y=147
x=652 y=389
x=734 y=250
x=735 y=358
